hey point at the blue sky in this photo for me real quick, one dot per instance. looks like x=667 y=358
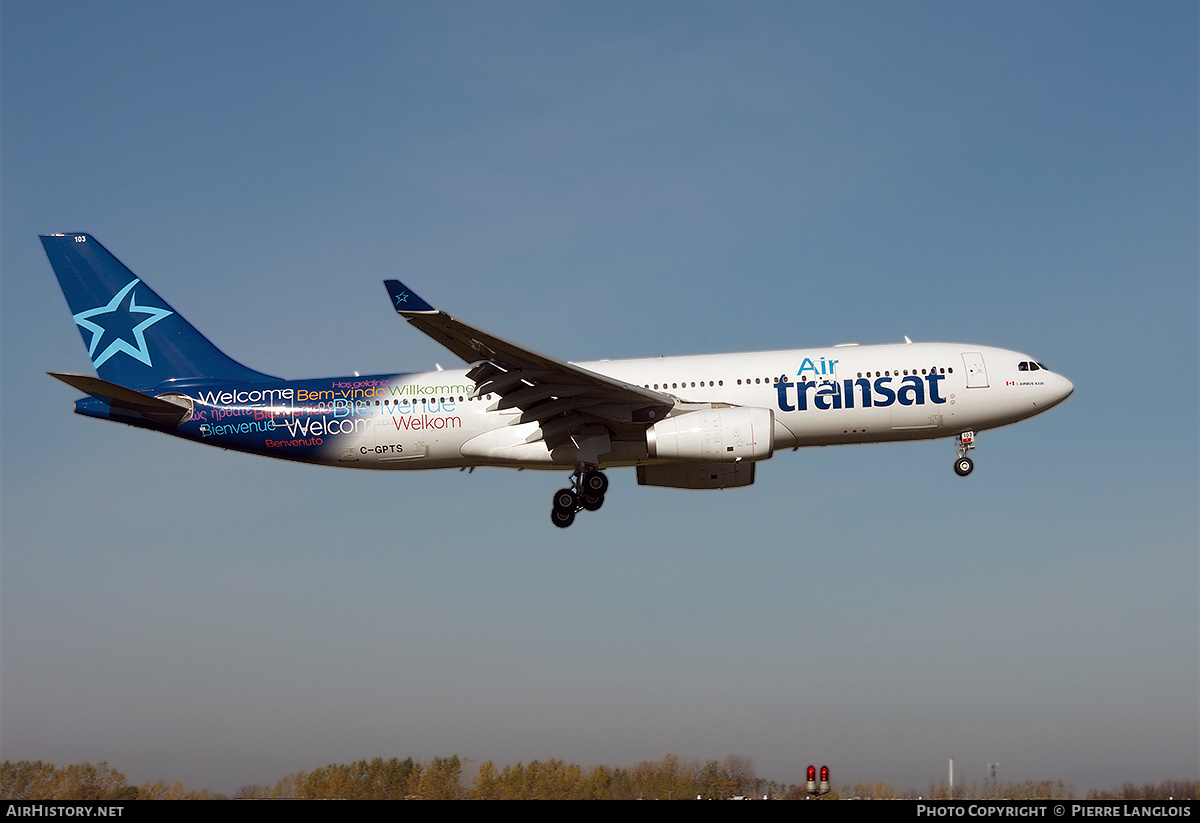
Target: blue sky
x=603 y=181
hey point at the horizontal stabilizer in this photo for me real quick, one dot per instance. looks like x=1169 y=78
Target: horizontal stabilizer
x=154 y=408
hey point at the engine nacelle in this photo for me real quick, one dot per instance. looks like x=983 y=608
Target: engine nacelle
x=722 y=435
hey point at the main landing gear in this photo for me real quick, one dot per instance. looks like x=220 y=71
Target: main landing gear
x=588 y=486
x=963 y=465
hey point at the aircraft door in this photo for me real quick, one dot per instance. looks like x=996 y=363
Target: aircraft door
x=392 y=441
x=976 y=371
x=356 y=431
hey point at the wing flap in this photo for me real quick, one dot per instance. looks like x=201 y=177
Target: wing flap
x=503 y=382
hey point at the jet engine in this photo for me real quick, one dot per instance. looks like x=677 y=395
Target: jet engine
x=724 y=435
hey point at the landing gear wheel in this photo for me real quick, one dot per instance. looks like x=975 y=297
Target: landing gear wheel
x=566 y=500
x=587 y=493
x=963 y=466
x=591 y=502
x=595 y=482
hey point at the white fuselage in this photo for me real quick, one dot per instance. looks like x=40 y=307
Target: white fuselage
x=844 y=394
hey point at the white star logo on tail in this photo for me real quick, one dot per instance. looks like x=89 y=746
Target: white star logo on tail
x=138 y=352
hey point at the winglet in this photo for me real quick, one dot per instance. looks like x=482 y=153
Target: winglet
x=403 y=299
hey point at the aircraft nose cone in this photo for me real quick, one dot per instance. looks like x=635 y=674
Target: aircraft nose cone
x=1062 y=388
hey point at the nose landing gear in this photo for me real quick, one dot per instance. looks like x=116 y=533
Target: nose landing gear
x=588 y=486
x=964 y=465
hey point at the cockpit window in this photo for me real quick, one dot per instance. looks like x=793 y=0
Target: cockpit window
x=1029 y=365
x=1023 y=366
x=1042 y=366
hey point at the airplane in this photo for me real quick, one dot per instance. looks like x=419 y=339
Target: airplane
x=699 y=422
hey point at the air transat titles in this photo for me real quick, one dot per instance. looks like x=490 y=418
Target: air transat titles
x=912 y=390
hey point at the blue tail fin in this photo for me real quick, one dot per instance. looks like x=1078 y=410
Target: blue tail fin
x=133 y=337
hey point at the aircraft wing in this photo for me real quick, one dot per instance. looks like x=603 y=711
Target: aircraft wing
x=561 y=397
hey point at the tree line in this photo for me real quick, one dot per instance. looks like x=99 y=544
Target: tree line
x=35 y=780
x=442 y=778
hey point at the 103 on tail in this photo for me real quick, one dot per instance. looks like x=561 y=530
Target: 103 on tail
x=701 y=422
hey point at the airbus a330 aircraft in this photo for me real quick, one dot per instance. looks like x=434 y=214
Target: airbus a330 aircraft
x=698 y=422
